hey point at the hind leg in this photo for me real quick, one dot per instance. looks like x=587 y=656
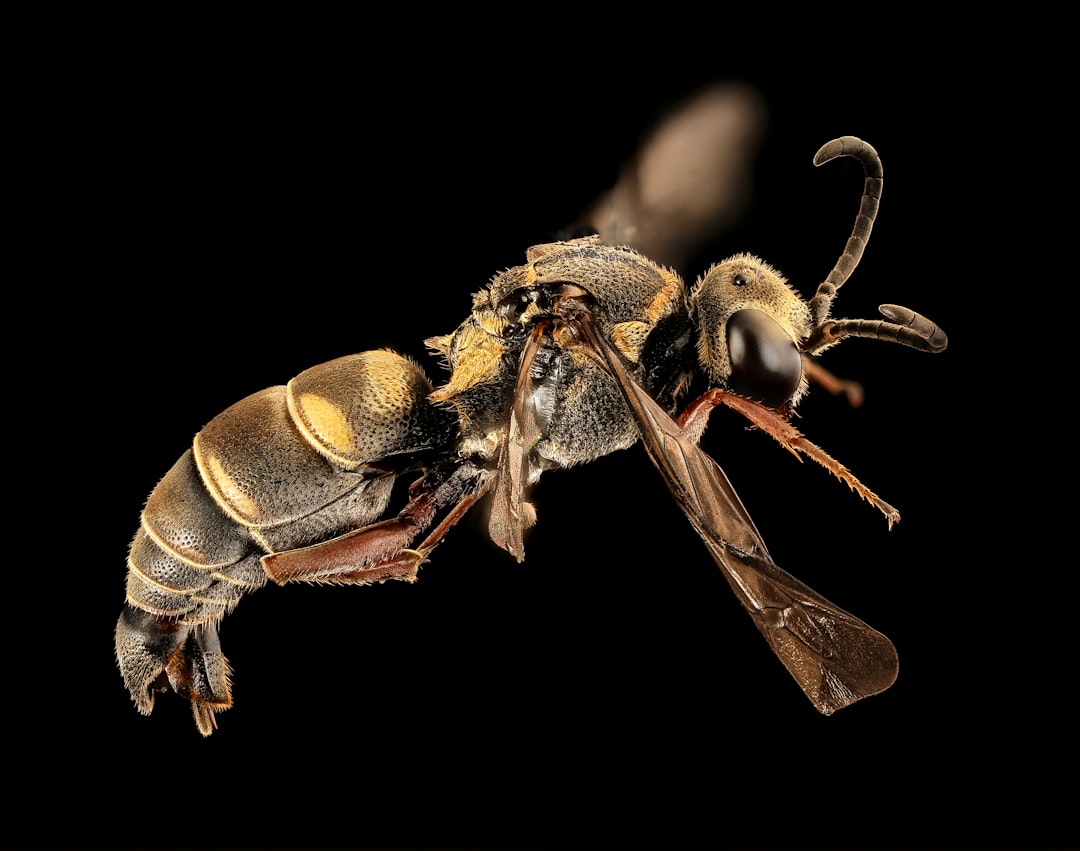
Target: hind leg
x=159 y=655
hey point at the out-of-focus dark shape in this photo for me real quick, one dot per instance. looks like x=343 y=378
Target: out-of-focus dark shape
x=691 y=179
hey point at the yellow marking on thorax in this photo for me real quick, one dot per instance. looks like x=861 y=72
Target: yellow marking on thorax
x=476 y=357
x=661 y=305
x=630 y=337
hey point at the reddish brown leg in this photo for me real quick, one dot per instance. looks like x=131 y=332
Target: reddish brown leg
x=199 y=671
x=360 y=557
x=694 y=418
x=379 y=551
x=816 y=373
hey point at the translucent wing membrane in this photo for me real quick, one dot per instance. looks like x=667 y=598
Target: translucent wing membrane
x=834 y=657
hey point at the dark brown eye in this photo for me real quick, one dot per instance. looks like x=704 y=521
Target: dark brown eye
x=740 y=280
x=766 y=365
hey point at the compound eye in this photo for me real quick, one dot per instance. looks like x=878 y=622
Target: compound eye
x=766 y=365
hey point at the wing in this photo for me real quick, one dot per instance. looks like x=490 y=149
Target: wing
x=834 y=657
x=511 y=514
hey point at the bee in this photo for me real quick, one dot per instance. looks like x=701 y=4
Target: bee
x=584 y=350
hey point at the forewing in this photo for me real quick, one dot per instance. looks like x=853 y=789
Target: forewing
x=511 y=515
x=834 y=657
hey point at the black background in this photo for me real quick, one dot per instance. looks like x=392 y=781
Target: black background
x=244 y=205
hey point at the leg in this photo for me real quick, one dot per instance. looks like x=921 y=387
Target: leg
x=817 y=374
x=381 y=550
x=694 y=418
x=156 y=655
